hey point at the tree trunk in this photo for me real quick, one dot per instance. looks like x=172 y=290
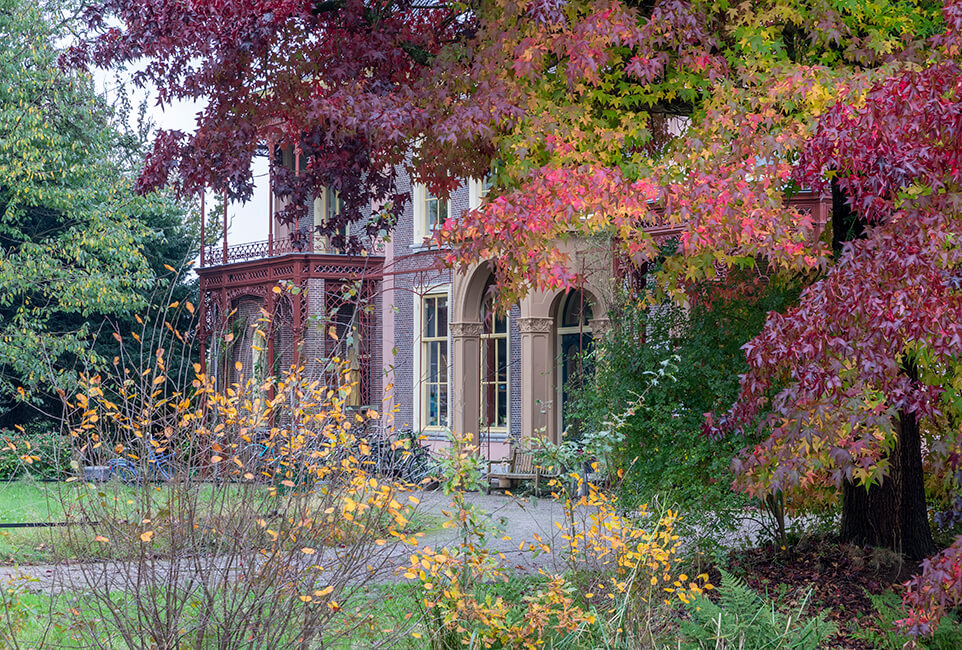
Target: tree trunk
x=892 y=514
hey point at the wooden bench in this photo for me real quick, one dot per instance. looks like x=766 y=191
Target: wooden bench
x=521 y=467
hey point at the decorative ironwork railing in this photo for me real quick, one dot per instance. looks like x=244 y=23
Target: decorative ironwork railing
x=214 y=254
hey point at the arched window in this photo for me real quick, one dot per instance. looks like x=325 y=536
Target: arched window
x=494 y=368
x=576 y=310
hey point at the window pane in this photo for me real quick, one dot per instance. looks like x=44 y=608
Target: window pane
x=442 y=361
x=486 y=184
x=443 y=405
x=502 y=368
x=487 y=407
x=430 y=323
x=487 y=360
x=432 y=362
x=503 y=405
x=442 y=307
x=576 y=310
x=432 y=405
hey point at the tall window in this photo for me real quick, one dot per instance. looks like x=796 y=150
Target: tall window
x=494 y=368
x=327 y=207
x=478 y=189
x=434 y=357
x=435 y=211
x=430 y=212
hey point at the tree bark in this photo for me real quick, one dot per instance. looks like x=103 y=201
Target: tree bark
x=893 y=513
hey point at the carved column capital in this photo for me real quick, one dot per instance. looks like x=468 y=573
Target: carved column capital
x=535 y=325
x=465 y=330
x=599 y=325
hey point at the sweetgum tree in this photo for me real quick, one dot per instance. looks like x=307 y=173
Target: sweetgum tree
x=626 y=118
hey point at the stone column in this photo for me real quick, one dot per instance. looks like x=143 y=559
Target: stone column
x=465 y=380
x=538 y=400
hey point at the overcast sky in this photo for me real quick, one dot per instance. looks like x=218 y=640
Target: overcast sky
x=246 y=222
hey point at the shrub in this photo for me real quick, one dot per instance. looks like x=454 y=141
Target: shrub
x=38 y=450
x=457 y=610
x=229 y=552
x=664 y=451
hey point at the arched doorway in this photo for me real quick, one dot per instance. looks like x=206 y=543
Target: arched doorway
x=574 y=340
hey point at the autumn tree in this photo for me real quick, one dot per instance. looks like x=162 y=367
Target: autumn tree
x=80 y=252
x=627 y=119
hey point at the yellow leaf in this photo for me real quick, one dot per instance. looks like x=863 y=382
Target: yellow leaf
x=307 y=550
x=146 y=536
x=101 y=538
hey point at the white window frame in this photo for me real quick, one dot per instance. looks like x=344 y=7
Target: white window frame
x=489 y=336
x=475 y=192
x=419 y=396
x=419 y=197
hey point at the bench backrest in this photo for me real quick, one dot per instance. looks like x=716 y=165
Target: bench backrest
x=521 y=462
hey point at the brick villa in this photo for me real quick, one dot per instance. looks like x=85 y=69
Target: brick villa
x=422 y=342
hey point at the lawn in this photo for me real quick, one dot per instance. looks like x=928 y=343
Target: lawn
x=29 y=501
x=382 y=616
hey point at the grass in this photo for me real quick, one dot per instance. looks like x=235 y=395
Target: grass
x=62 y=621
x=33 y=501
x=380 y=614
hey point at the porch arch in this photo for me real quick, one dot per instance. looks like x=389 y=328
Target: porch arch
x=540 y=376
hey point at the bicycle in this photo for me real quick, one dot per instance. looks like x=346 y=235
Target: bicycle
x=159 y=468
x=411 y=462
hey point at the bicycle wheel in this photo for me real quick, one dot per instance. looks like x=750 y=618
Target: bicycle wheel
x=420 y=467
x=125 y=471
x=162 y=467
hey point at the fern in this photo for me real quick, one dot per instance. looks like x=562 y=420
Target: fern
x=744 y=620
x=888 y=607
